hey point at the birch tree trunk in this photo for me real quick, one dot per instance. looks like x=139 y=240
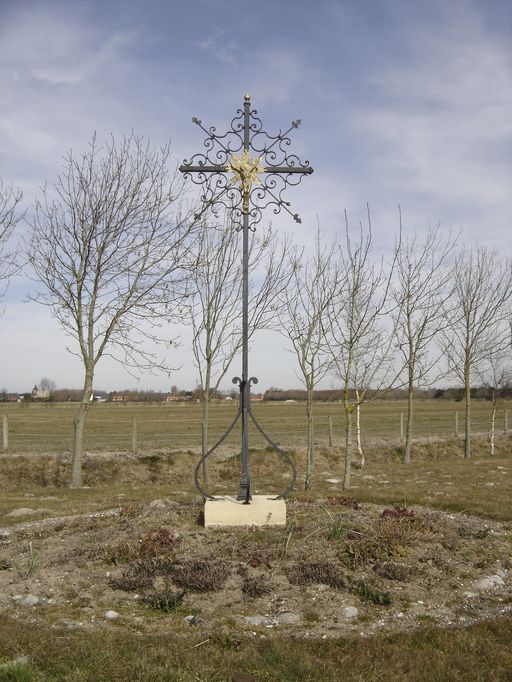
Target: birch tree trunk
x=410 y=416
x=493 y=425
x=467 y=424
x=347 y=475
x=360 y=453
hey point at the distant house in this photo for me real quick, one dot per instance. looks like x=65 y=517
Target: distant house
x=173 y=398
x=38 y=394
x=120 y=398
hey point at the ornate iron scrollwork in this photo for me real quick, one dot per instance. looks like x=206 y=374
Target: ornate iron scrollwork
x=257 y=182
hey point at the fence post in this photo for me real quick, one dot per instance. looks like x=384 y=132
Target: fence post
x=330 y=431
x=134 y=436
x=5 y=433
x=506 y=421
x=456 y=424
x=401 y=426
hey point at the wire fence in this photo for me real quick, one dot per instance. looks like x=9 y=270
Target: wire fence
x=139 y=430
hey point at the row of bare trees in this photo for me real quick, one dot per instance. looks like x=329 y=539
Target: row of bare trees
x=118 y=255
x=432 y=309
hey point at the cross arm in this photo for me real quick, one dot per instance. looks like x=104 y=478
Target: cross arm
x=184 y=168
x=307 y=170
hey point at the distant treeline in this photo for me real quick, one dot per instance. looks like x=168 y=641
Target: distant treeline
x=62 y=395
x=335 y=395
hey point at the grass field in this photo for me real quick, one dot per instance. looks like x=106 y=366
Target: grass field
x=48 y=427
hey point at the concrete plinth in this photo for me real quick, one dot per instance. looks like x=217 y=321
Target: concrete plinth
x=263 y=510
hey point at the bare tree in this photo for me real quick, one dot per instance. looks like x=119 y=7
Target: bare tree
x=109 y=252
x=495 y=373
x=361 y=338
x=477 y=317
x=421 y=291
x=216 y=295
x=304 y=320
x=10 y=215
x=47 y=384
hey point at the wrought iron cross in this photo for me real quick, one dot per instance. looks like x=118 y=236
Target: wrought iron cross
x=256 y=182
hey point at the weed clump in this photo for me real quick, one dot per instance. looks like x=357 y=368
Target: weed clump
x=394 y=571
x=368 y=594
x=342 y=501
x=397 y=512
x=155 y=544
x=255 y=586
x=206 y=575
x=362 y=551
x=163 y=600
x=401 y=530
x=136 y=577
x=316 y=572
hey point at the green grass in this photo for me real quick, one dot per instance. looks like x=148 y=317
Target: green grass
x=48 y=427
x=479 y=652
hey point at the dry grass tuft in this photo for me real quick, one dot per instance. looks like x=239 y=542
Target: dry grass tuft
x=154 y=544
x=401 y=530
x=256 y=586
x=394 y=571
x=343 y=501
x=166 y=599
x=137 y=576
x=198 y=575
x=316 y=573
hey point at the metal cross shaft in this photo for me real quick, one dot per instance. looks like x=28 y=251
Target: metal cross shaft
x=246 y=172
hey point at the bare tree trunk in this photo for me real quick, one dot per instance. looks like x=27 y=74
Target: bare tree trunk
x=408 y=428
x=348 y=449
x=204 y=433
x=467 y=425
x=360 y=453
x=310 y=460
x=78 y=430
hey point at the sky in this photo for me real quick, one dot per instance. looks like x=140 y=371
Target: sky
x=402 y=102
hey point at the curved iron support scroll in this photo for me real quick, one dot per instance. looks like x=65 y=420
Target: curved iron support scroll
x=282 y=453
x=257 y=182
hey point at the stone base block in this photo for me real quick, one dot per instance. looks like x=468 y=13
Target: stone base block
x=263 y=510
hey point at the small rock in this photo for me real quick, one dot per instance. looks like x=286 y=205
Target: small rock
x=333 y=480
x=350 y=612
x=30 y=600
x=492 y=582
x=288 y=618
x=111 y=615
x=194 y=620
x=256 y=620
x=5 y=565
